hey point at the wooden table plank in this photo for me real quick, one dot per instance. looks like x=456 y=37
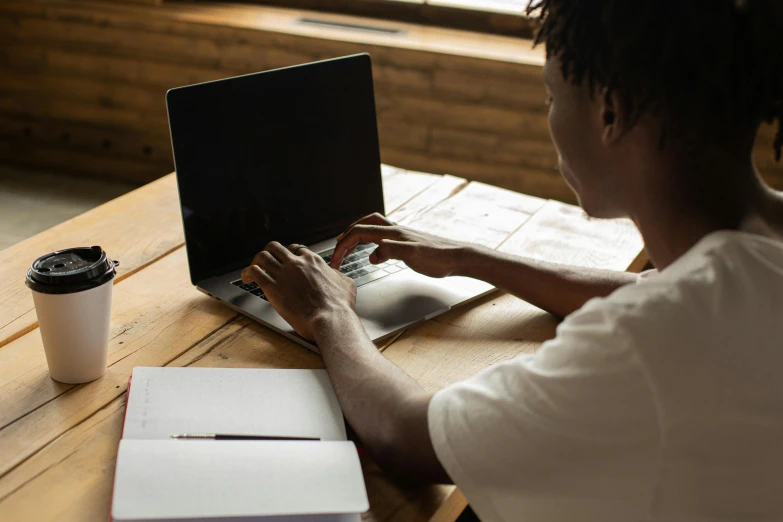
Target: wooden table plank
x=157 y=317
x=451 y=508
x=75 y=475
x=150 y=319
x=91 y=446
x=160 y=315
x=136 y=228
x=240 y=343
x=162 y=296
x=24 y=380
x=58 y=431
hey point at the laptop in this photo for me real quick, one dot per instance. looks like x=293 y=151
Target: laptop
x=292 y=155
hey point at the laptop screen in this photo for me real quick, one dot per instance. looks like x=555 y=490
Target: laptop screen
x=289 y=155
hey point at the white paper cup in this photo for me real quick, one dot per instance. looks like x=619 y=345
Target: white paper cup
x=72 y=295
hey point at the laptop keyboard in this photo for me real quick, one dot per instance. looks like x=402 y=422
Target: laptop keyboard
x=357 y=266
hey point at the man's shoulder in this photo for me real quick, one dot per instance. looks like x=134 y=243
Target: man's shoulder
x=728 y=288
x=723 y=267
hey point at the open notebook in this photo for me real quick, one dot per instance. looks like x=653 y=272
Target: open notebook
x=159 y=478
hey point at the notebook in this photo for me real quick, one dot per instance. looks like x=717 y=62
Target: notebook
x=161 y=479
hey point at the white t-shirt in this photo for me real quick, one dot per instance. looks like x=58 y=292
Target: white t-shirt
x=663 y=401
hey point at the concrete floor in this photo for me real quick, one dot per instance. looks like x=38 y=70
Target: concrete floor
x=32 y=201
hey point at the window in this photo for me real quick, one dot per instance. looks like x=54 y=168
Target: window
x=505 y=17
x=516 y=7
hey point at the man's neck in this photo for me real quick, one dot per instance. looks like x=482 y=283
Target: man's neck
x=672 y=218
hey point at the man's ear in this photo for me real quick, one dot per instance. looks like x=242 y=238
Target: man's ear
x=613 y=119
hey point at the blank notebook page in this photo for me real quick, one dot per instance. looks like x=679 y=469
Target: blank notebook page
x=238 y=480
x=238 y=401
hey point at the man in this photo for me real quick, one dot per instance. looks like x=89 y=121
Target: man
x=659 y=399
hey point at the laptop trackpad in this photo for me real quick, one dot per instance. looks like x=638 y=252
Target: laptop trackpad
x=406 y=298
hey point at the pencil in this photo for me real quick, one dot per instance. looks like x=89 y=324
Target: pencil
x=223 y=436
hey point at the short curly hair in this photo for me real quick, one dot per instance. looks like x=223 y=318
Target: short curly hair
x=706 y=68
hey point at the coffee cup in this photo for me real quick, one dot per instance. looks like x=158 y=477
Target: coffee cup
x=72 y=295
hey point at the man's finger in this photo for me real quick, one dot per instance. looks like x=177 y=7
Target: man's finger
x=297 y=249
x=266 y=261
x=281 y=253
x=253 y=273
x=359 y=235
x=373 y=219
x=391 y=249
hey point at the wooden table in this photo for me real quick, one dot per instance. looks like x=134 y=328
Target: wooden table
x=58 y=442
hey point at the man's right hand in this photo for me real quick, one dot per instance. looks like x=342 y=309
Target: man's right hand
x=427 y=254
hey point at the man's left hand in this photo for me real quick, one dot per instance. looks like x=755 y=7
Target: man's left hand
x=300 y=285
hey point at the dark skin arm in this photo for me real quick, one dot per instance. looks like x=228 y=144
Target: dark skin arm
x=383 y=404
x=558 y=289
x=387 y=408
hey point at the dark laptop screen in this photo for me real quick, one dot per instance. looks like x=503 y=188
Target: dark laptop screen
x=289 y=155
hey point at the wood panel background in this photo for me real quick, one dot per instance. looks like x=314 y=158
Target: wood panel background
x=83 y=83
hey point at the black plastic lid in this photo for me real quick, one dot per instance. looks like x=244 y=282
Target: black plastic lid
x=71 y=270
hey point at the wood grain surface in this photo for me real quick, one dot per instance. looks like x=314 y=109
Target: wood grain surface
x=58 y=442
x=135 y=229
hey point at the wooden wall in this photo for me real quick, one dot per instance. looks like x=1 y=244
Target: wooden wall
x=82 y=88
